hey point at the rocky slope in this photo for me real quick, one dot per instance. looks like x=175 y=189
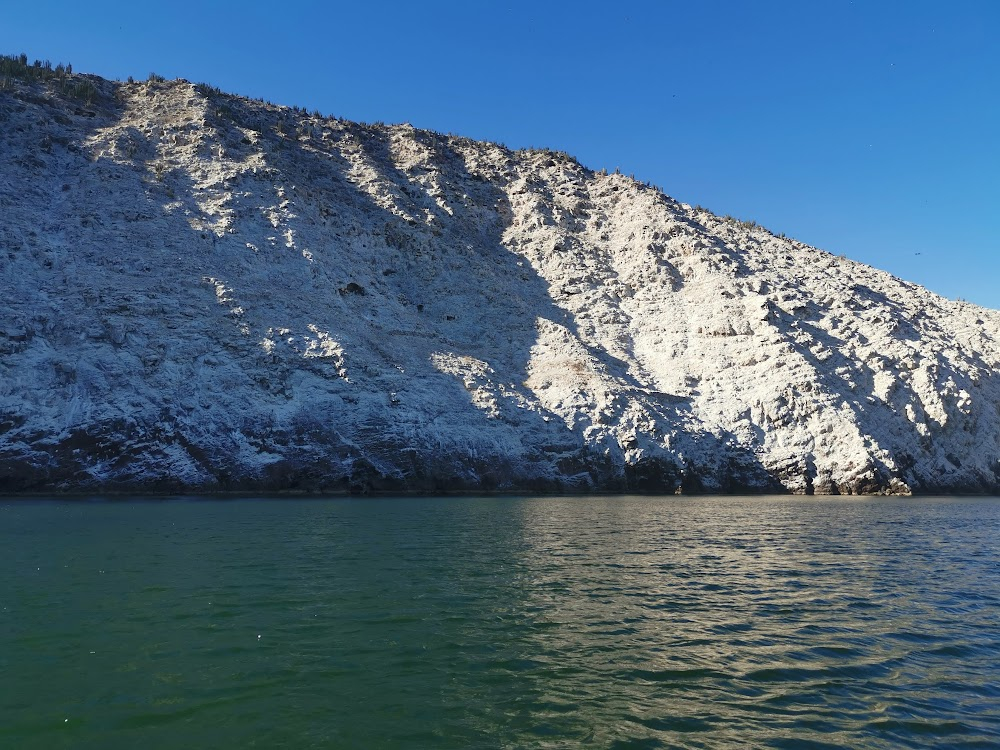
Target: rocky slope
x=203 y=292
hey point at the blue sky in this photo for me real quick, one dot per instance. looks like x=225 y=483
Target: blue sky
x=867 y=128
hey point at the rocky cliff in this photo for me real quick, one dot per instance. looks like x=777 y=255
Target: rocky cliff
x=204 y=292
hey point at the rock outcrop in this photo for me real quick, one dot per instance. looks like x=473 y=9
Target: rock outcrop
x=204 y=292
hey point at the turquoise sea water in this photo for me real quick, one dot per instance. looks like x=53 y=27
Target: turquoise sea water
x=500 y=623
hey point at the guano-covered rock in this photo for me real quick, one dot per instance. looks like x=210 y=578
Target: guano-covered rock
x=203 y=292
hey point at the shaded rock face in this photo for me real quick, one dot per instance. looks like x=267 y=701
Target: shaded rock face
x=203 y=292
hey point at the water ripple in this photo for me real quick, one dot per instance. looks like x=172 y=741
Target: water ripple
x=501 y=623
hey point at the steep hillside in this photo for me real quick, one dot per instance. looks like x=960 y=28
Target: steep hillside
x=203 y=292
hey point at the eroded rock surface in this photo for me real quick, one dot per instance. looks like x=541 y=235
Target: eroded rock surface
x=203 y=292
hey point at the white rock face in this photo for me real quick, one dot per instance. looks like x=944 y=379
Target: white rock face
x=202 y=292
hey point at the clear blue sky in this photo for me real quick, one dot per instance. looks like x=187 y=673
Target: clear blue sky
x=869 y=128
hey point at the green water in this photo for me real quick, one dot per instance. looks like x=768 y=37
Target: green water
x=500 y=623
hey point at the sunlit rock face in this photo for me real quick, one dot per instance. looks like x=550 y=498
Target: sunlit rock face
x=203 y=292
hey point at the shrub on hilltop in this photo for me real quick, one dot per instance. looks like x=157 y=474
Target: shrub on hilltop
x=16 y=68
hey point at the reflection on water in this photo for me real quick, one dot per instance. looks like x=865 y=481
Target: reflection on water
x=539 y=622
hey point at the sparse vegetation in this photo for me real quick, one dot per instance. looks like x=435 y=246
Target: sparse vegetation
x=16 y=68
x=208 y=90
x=748 y=224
